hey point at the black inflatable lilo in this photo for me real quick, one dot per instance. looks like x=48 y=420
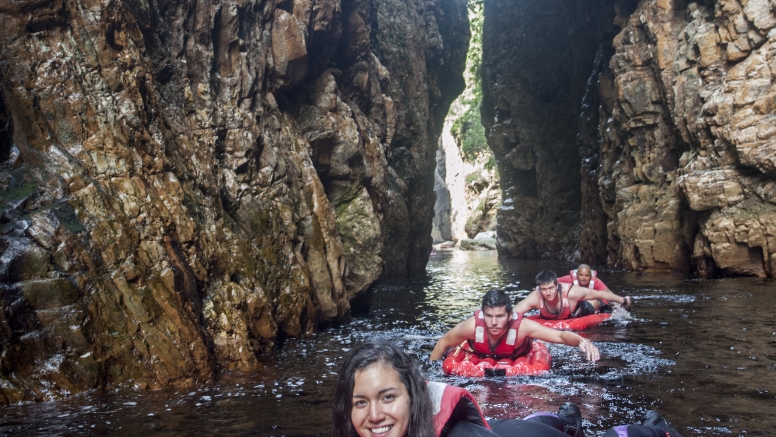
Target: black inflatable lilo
x=566 y=422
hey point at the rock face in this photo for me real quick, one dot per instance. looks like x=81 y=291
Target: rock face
x=537 y=57
x=482 y=241
x=468 y=193
x=182 y=183
x=442 y=229
x=673 y=160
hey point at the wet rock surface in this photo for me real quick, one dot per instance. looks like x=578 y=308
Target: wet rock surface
x=673 y=139
x=184 y=183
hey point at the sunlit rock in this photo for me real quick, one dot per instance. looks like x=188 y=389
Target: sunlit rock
x=674 y=134
x=183 y=183
x=466 y=182
x=477 y=244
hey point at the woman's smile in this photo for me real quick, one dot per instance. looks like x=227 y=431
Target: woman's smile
x=381 y=404
x=381 y=430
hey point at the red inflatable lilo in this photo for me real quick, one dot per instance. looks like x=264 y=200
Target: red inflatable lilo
x=463 y=362
x=574 y=324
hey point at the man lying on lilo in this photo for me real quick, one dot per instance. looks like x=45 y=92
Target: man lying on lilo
x=496 y=331
x=556 y=300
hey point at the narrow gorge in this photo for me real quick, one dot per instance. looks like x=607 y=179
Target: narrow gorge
x=184 y=185
x=466 y=180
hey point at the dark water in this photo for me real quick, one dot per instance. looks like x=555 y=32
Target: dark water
x=703 y=352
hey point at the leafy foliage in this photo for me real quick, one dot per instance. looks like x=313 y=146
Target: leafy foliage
x=474 y=55
x=467 y=128
x=472 y=177
x=470 y=133
x=491 y=164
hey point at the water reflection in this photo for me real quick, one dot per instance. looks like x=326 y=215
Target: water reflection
x=702 y=352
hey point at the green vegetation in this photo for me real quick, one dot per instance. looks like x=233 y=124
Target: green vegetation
x=467 y=128
x=491 y=164
x=474 y=56
x=472 y=227
x=16 y=190
x=469 y=132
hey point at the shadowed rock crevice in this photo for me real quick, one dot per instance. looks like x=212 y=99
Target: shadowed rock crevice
x=672 y=164
x=6 y=129
x=533 y=86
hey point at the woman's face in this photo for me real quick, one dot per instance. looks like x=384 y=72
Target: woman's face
x=381 y=404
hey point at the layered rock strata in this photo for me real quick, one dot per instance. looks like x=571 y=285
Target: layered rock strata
x=183 y=183
x=675 y=144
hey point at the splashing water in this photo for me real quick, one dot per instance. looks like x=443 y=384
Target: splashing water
x=700 y=352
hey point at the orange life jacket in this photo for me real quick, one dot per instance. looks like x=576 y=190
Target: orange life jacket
x=565 y=310
x=593 y=275
x=506 y=345
x=446 y=399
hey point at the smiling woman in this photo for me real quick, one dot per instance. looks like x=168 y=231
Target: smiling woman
x=381 y=393
x=381 y=405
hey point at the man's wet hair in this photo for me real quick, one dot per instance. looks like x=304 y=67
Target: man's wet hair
x=497 y=298
x=545 y=277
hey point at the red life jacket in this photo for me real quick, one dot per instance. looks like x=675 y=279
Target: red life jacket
x=565 y=311
x=593 y=273
x=506 y=345
x=445 y=398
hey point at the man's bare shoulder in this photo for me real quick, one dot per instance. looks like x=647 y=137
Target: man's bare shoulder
x=528 y=302
x=576 y=292
x=465 y=329
x=470 y=322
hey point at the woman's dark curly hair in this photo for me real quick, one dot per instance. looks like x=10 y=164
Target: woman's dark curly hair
x=386 y=353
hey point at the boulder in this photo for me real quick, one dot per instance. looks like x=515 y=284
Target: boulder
x=477 y=244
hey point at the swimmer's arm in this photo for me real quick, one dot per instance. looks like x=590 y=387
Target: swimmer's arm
x=601 y=286
x=530 y=302
x=454 y=337
x=540 y=332
x=581 y=293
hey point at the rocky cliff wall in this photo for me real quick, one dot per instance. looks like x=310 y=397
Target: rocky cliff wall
x=674 y=145
x=184 y=182
x=537 y=57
